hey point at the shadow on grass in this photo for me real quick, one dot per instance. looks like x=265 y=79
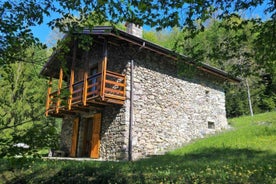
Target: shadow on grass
x=208 y=165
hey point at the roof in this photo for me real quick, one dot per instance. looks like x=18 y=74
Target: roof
x=124 y=36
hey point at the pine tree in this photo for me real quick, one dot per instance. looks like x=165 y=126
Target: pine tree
x=22 y=100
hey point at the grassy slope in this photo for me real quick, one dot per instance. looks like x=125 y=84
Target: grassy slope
x=247 y=154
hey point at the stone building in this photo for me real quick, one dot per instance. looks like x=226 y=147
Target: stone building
x=125 y=98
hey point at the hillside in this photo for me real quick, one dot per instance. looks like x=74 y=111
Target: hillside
x=245 y=154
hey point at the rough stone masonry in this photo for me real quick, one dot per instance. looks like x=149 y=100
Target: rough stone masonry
x=169 y=109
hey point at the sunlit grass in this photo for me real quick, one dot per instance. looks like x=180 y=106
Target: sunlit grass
x=257 y=133
x=244 y=154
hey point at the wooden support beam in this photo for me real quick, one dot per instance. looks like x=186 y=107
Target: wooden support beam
x=103 y=77
x=104 y=64
x=72 y=77
x=84 y=92
x=59 y=89
x=48 y=99
x=85 y=80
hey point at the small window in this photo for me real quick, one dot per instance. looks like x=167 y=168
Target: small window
x=211 y=125
x=207 y=95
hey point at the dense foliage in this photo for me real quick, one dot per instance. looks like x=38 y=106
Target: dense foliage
x=18 y=16
x=22 y=99
x=244 y=155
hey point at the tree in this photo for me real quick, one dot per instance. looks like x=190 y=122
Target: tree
x=166 y=38
x=265 y=45
x=18 y=16
x=235 y=45
x=15 y=32
x=22 y=107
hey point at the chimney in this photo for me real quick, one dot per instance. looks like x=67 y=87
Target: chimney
x=134 y=29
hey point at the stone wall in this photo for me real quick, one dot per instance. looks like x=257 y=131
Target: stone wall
x=114 y=132
x=66 y=134
x=169 y=111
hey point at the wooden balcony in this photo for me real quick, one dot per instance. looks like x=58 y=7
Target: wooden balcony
x=96 y=90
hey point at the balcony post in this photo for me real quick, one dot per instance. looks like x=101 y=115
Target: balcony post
x=85 y=82
x=48 y=99
x=104 y=63
x=72 y=77
x=84 y=94
x=59 y=89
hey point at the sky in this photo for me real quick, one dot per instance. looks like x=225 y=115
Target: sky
x=43 y=31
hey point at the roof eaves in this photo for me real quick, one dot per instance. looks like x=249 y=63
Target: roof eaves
x=110 y=30
x=97 y=30
x=169 y=53
x=227 y=76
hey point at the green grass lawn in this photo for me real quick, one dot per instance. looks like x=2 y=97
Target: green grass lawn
x=245 y=154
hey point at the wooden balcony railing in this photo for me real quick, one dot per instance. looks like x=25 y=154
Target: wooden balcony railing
x=95 y=89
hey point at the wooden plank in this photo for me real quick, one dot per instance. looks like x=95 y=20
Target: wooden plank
x=89 y=87
x=114 y=74
x=95 y=139
x=78 y=83
x=97 y=75
x=110 y=72
x=114 y=83
x=92 y=93
x=85 y=79
x=104 y=64
x=76 y=98
x=115 y=96
x=120 y=102
x=48 y=99
x=74 y=142
x=76 y=102
x=114 y=91
x=94 y=101
x=72 y=77
x=77 y=91
x=84 y=93
x=103 y=77
x=59 y=89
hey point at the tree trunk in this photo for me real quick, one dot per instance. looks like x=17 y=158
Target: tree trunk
x=249 y=97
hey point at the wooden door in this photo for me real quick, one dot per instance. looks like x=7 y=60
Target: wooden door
x=95 y=138
x=74 y=142
x=87 y=134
